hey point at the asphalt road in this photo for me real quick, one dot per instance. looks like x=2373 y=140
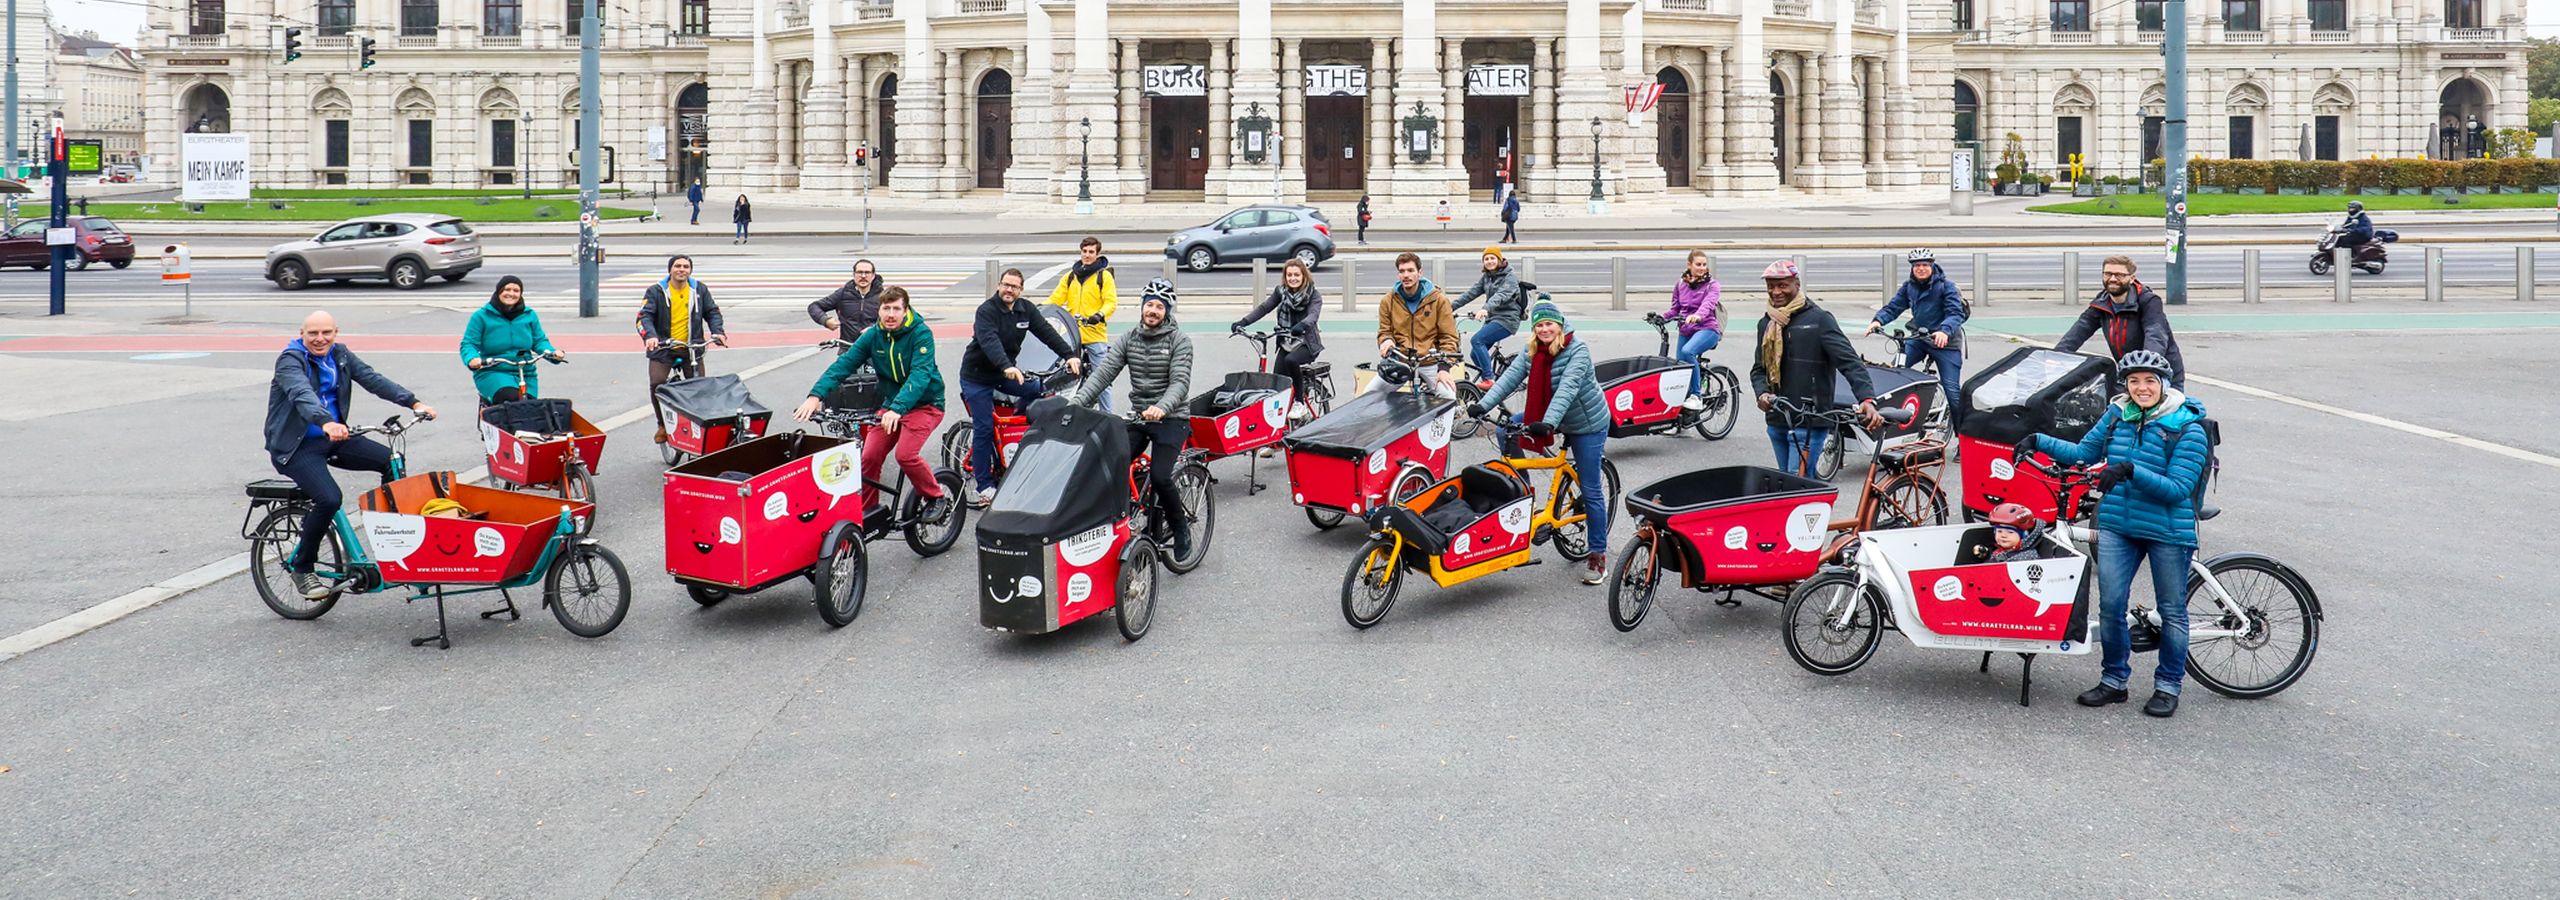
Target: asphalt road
x=1496 y=739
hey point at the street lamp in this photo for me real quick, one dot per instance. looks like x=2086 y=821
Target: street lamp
x=524 y=142
x=1599 y=201
x=1084 y=167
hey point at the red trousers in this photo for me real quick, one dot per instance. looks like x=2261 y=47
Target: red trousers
x=914 y=429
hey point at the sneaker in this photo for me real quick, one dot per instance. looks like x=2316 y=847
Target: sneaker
x=1694 y=402
x=2103 y=695
x=983 y=498
x=313 y=587
x=1484 y=384
x=936 y=510
x=1598 y=571
x=1267 y=452
x=2163 y=705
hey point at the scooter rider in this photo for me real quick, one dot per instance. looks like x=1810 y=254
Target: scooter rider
x=1157 y=356
x=2357 y=230
x=307 y=434
x=1504 y=307
x=1938 y=314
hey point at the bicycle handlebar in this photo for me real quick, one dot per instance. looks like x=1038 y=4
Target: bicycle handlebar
x=391 y=427
x=1798 y=412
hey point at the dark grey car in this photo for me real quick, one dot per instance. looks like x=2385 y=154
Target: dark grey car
x=1269 y=231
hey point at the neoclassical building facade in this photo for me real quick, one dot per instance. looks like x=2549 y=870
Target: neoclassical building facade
x=1035 y=100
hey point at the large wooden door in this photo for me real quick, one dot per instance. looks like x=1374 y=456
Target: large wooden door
x=1178 y=144
x=1335 y=158
x=1778 y=125
x=1671 y=131
x=1492 y=140
x=885 y=150
x=995 y=140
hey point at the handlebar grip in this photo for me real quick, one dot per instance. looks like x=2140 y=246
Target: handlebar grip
x=1896 y=415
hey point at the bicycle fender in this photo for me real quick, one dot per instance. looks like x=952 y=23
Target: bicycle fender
x=2281 y=569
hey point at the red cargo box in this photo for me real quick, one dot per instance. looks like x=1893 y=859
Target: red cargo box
x=757 y=513
x=1740 y=525
x=540 y=462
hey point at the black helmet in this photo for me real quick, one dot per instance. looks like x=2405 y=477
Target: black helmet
x=2355 y=206
x=2143 y=361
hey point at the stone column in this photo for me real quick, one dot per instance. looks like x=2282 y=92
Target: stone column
x=1706 y=105
x=1255 y=81
x=1901 y=109
x=1453 y=88
x=958 y=120
x=1639 y=168
x=1842 y=106
x=857 y=103
x=822 y=128
x=760 y=137
x=1291 y=156
x=1093 y=94
x=1583 y=92
x=1134 y=161
x=1383 y=142
x=1542 y=106
x=1222 y=121
x=922 y=170
x=1037 y=136
x=1746 y=98
x=1418 y=78
x=1808 y=137
x=1874 y=146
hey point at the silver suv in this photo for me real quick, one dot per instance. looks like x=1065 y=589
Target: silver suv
x=1266 y=230
x=403 y=248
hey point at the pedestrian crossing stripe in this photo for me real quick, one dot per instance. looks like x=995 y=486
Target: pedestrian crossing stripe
x=820 y=281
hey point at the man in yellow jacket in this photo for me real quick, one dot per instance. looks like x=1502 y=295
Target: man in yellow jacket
x=1088 y=292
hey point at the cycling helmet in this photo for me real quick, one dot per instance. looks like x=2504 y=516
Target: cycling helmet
x=2015 y=517
x=2355 y=206
x=2143 y=361
x=1158 y=290
x=1922 y=255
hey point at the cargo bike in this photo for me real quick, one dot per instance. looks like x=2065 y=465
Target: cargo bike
x=1486 y=519
x=1648 y=394
x=1037 y=363
x=776 y=509
x=2030 y=391
x=705 y=414
x=542 y=443
x=1378 y=449
x=1249 y=412
x=478 y=540
x=2253 y=623
x=1063 y=542
x=1913 y=389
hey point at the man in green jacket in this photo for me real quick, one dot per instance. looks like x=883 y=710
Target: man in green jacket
x=900 y=351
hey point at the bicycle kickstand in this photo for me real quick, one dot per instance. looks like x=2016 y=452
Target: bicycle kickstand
x=441 y=638
x=509 y=610
x=2026 y=675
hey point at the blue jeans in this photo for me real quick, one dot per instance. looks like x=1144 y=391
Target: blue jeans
x=309 y=468
x=1480 y=347
x=742 y=231
x=697 y=212
x=1797 y=448
x=1588 y=453
x=980 y=399
x=1950 y=360
x=2118 y=556
x=1694 y=346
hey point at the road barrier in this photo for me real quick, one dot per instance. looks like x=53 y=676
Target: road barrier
x=2524 y=274
x=2070 y=276
x=2249 y=286
x=1350 y=285
x=2435 y=274
x=2341 y=268
x=1617 y=282
x=1981 y=279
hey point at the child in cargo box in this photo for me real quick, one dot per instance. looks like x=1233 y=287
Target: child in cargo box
x=2013 y=534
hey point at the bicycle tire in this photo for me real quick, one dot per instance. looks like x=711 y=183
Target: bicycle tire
x=1372 y=581
x=2266 y=622
x=1723 y=404
x=1926 y=505
x=919 y=538
x=1631 y=590
x=276 y=535
x=843 y=578
x=1323 y=519
x=591 y=583
x=1133 y=607
x=706 y=596
x=1191 y=482
x=1465 y=428
x=1835 y=453
x=955 y=445
x=580 y=487
x=1857 y=642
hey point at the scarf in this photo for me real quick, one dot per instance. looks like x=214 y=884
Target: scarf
x=1542 y=386
x=1293 y=304
x=1082 y=272
x=1773 y=340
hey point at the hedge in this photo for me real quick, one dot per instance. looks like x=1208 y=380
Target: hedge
x=2267 y=176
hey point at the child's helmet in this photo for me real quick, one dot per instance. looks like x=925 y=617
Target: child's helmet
x=2015 y=517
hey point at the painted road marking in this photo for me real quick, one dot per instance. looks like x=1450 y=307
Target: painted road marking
x=101 y=614
x=2269 y=322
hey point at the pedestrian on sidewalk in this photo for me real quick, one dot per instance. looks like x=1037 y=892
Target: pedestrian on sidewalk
x=1363 y=218
x=693 y=195
x=672 y=314
x=1511 y=216
x=741 y=214
x=853 y=307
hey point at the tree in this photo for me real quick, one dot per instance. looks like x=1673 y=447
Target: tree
x=2542 y=68
x=2541 y=113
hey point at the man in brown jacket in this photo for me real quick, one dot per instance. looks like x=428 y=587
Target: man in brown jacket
x=1417 y=317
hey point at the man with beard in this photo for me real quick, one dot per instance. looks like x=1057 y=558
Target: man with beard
x=853 y=307
x=2131 y=317
x=1157 y=356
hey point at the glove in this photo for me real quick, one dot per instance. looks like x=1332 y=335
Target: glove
x=2025 y=450
x=1237 y=328
x=1095 y=319
x=1475 y=410
x=2115 y=473
x=1540 y=430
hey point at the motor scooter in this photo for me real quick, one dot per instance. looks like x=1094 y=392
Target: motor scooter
x=2369 y=257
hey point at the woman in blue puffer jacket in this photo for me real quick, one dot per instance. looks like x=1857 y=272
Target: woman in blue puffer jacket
x=1563 y=397
x=2153 y=443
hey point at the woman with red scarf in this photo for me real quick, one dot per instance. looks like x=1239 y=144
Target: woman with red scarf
x=1564 y=398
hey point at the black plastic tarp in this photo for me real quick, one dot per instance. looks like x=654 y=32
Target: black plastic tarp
x=1241 y=389
x=1368 y=423
x=1615 y=370
x=1888 y=379
x=1036 y=356
x=1070 y=476
x=717 y=398
x=542 y=416
x=2036 y=391
x=1721 y=486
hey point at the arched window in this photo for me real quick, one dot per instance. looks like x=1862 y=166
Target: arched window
x=1968 y=113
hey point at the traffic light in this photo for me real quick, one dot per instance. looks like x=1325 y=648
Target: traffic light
x=364 y=54
x=292 y=44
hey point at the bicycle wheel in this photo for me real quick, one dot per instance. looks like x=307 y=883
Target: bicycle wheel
x=668 y=454
x=1369 y=587
x=1723 y=394
x=580 y=487
x=1464 y=427
x=1834 y=453
x=1413 y=480
x=1831 y=625
x=1200 y=509
x=276 y=536
x=1323 y=519
x=1632 y=584
x=955 y=445
x=932 y=538
x=588 y=590
x=707 y=596
x=1908 y=501
x=1572 y=540
x=843 y=579
x=1134 y=610
x=2279 y=631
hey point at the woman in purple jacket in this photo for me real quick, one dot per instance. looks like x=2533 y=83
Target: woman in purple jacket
x=1697 y=302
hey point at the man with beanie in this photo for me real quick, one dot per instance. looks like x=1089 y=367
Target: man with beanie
x=1503 y=307
x=1564 y=398
x=1801 y=350
x=1157 y=356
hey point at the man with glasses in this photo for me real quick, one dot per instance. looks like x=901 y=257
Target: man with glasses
x=2131 y=317
x=853 y=308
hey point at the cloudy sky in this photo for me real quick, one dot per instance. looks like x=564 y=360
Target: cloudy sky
x=117 y=20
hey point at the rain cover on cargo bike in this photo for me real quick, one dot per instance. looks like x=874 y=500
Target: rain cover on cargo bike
x=2030 y=391
x=1057 y=546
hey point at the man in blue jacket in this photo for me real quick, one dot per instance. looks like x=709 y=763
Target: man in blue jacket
x=693 y=195
x=1937 y=314
x=2154 y=445
x=307 y=434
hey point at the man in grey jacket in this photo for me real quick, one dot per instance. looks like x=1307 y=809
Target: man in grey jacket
x=1157 y=356
x=1504 y=307
x=306 y=432
x=853 y=308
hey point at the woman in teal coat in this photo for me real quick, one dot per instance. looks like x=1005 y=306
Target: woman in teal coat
x=505 y=330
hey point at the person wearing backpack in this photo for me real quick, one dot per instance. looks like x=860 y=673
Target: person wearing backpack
x=2157 y=448
x=1510 y=217
x=1938 y=312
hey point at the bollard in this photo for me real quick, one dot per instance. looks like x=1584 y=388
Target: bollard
x=1529 y=269
x=1617 y=283
x=1981 y=279
x=1440 y=270
x=1350 y=284
x=1891 y=283
x=1168 y=269
x=2524 y=273
x=2070 y=275
x=2435 y=274
x=2341 y=268
x=995 y=271
x=2249 y=290
x=1261 y=284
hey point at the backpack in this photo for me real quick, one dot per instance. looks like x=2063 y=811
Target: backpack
x=2212 y=459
